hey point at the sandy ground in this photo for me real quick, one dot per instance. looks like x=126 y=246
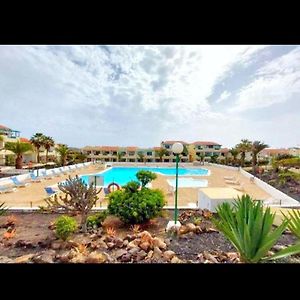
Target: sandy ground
x=35 y=194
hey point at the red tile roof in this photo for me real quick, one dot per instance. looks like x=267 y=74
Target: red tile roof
x=4 y=127
x=131 y=148
x=206 y=143
x=110 y=148
x=24 y=140
x=224 y=150
x=274 y=151
x=156 y=148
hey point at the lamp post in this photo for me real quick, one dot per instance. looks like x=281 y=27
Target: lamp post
x=177 y=148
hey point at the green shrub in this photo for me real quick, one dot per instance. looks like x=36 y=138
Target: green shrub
x=249 y=228
x=3 y=209
x=96 y=220
x=131 y=187
x=145 y=177
x=65 y=226
x=294 y=222
x=134 y=206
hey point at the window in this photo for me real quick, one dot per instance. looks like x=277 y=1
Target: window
x=131 y=153
x=149 y=153
x=210 y=146
x=167 y=146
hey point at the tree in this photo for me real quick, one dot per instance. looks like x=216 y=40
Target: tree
x=243 y=147
x=161 y=152
x=79 y=198
x=63 y=151
x=192 y=153
x=145 y=177
x=1 y=139
x=48 y=142
x=257 y=146
x=37 y=140
x=234 y=152
x=19 y=149
x=120 y=155
x=141 y=156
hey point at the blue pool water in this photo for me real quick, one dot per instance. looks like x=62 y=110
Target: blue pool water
x=123 y=175
x=188 y=182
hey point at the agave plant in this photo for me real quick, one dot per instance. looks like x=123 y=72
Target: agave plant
x=294 y=222
x=3 y=209
x=249 y=228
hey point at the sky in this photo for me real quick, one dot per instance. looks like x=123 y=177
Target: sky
x=142 y=95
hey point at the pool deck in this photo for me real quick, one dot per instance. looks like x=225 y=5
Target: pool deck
x=34 y=194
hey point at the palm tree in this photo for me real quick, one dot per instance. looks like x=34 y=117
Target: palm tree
x=48 y=142
x=141 y=156
x=234 y=152
x=63 y=151
x=257 y=146
x=1 y=139
x=243 y=147
x=120 y=155
x=19 y=149
x=37 y=141
x=161 y=152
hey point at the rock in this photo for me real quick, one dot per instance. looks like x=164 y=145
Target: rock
x=119 y=253
x=168 y=241
x=200 y=258
x=133 y=244
x=96 y=258
x=6 y=260
x=24 y=244
x=63 y=258
x=130 y=237
x=191 y=227
x=126 y=257
x=72 y=253
x=24 y=258
x=141 y=255
x=45 y=243
x=270 y=253
x=118 y=242
x=157 y=242
x=145 y=236
x=183 y=229
x=157 y=253
x=100 y=232
x=125 y=243
x=93 y=235
x=45 y=257
x=198 y=229
x=134 y=251
x=176 y=260
x=108 y=257
x=168 y=255
x=278 y=247
x=101 y=244
x=210 y=257
x=110 y=245
x=56 y=245
x=145 y=246
x=78 y=259
x=150 y=254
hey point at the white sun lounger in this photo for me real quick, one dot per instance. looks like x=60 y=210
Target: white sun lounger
x=235 y=182
x=7 y=189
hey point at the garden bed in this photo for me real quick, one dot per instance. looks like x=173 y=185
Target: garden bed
x=34 y=241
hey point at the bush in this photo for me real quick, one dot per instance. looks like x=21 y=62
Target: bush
x=96 y=220
x=65 y=226
x=3 y=209
x=145 y=177
x=294 y=222
x=136 y=206
x=249 y=228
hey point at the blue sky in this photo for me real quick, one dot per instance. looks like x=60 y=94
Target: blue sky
x=141 y=95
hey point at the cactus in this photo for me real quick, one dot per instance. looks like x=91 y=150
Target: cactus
x=78 y=198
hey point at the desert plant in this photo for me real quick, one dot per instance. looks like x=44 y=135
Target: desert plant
x=141 y=156
x=82 y=249
x=249 y=228
x=256 y=147
x=78 y=198
x=19 y=149
x=136 y=228
x=135 y=206
x=243 y=147
x=197 y=220
x=9 y=234
x=294 y=222
x=161 y=152
x=145 y=177
x=47 y=142
x=63 y=151
x=3 y=209
x=96 y=220
x=37 y=140
x=65 y=226
x=110 y=231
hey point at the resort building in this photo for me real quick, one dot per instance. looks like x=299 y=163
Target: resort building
x=10 y=135
x=136 y=154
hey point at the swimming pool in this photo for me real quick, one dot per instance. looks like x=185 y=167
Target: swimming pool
x=123 y=175
x=188 y=182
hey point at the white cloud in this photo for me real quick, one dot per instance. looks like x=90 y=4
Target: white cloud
x=223 y=96
x=276 y=82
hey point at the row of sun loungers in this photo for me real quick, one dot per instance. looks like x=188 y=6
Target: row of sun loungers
x=42 y=175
